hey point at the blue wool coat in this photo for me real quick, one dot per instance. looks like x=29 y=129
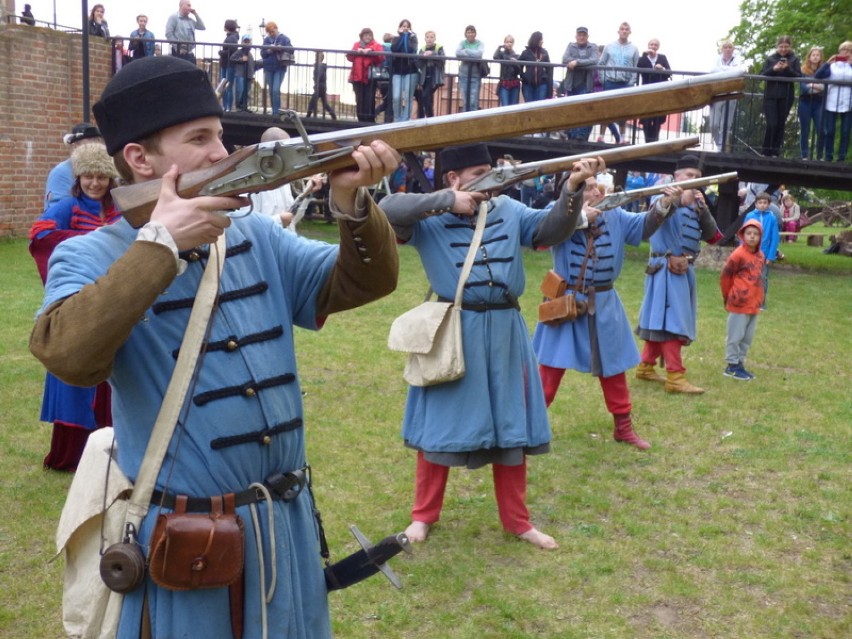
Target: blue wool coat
x=270 y=283
x=499 y=402
x=570 y=344
x=669 y=305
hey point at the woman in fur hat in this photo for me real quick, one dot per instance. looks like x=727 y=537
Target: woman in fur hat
x=75 y=411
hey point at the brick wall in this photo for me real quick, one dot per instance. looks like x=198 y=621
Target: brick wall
x=41 y=97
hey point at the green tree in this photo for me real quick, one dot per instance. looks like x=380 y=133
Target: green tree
x=823 y=23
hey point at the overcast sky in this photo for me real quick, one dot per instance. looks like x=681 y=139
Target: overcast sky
x=689 y=32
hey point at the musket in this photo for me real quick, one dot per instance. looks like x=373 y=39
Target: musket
x=508 y=174
x=296 y=208
x=614 y=200
x=268 y=165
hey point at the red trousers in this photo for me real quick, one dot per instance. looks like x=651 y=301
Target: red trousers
x=615 y=391
x=510 y=488
x=670 y=352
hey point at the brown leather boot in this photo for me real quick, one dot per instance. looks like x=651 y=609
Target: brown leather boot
x=624 y=432
x=647 y=373
x=676 y=383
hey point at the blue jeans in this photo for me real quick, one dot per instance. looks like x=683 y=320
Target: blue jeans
x=403 y=95
x=580 y=132
x=534 y=94
x=810 y=111
x=829 y=121
x=228 y=93
x=469 y=87
x=273 y=81
x=508 y=96
x=241 y=91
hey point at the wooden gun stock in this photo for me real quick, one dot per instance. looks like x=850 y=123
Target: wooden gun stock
x=136 y=201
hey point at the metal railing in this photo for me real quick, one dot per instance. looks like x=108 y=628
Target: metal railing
x=729 y=126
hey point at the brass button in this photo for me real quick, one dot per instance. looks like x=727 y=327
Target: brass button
x=250 y=392
x=362 y=249
x=357 y=238
x=193 y=256
x=232 y=345
x=267 y=439
x=366 y=260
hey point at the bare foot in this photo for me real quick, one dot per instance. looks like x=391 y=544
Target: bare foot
x=539 y=539
x=418 y=531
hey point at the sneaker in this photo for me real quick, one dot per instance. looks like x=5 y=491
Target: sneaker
x=736 y=372
x=746 y=373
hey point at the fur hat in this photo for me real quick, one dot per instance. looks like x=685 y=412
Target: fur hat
x=454 y=158
x=93 y=159
x=152 y=94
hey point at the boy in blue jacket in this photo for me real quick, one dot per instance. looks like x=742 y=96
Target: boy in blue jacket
x=771 y=235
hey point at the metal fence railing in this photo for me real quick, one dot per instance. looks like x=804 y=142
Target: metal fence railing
x=731 y=126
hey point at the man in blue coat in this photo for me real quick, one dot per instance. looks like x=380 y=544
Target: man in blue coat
x=496 y=413
x=116 y=307
x=599 y=340
x=667 y=319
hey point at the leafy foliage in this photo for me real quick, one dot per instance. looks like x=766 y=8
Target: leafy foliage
x=823 y=23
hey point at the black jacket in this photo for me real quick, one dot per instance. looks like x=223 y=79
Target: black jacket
x=781 y=90
x=534 y=74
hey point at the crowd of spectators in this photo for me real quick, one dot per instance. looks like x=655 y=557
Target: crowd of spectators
x=404 y=71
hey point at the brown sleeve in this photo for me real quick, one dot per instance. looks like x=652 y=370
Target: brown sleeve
x=367 y=265
x=77 y=338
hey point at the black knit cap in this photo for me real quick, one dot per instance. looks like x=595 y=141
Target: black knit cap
x=152 y=94
x=454 y=158
x=688 y=161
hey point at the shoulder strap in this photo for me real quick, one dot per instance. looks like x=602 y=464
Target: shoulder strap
x=590 y=247
x=471 y=254
x=175 y=396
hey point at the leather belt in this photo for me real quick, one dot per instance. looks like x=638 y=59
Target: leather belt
x=282 y=487
x=690 y=258
x=596 y=289
x=485 y=306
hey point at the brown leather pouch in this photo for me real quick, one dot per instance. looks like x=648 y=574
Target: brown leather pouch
x=191 y=551
x=553 y=285
x=555 y=312
x=678 y=264
x=653 y=269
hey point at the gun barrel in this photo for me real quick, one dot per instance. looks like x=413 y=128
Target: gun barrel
x=136 y=201
x=506 y=176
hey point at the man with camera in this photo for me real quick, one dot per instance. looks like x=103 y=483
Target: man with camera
x=180 y=30
x=778 y=96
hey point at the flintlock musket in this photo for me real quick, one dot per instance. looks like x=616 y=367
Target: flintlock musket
x=509 y=174
x=621 y=198
x=268 y=165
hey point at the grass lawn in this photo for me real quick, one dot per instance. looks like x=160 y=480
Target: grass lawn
x=736 y=523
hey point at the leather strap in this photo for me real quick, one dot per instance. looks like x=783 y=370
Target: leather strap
x=471 y=254
x=236 y=597
x=173 y=401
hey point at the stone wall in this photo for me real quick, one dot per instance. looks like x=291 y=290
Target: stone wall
x=713 y=257
x=41 y=98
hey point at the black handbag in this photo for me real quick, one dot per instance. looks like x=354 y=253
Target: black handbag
x=379 y=73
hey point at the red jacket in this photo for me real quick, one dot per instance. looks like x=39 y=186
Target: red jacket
x=741 y=280
x=361 y=63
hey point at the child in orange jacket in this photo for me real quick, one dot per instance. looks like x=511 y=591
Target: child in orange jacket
x=742 y=290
